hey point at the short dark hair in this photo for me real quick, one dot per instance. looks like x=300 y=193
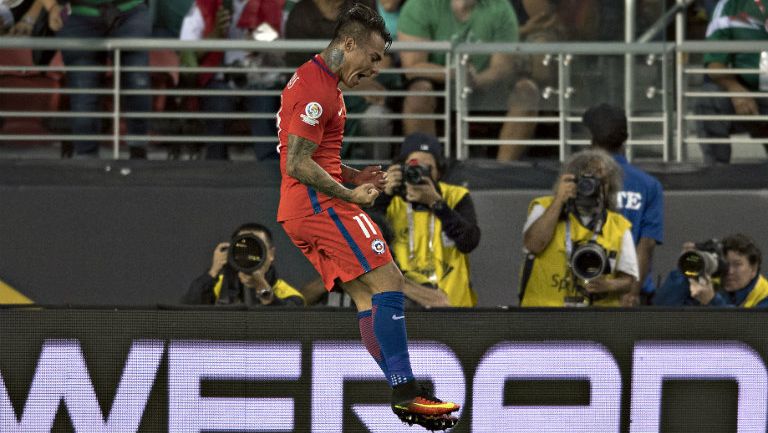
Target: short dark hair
x=608 y=126
x=358 y=22
x=743 y=244
x=254 y=227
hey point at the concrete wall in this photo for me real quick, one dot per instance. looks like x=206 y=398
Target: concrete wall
x=142 y=244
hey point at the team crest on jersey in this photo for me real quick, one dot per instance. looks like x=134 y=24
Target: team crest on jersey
x=312 y=112
x=378 y=246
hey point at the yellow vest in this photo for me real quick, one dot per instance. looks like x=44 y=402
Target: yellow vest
x=546 y=279
x=758 y=293
x=445 y=265
x=281 y=288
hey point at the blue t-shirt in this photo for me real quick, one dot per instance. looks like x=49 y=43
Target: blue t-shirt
x=642 y=202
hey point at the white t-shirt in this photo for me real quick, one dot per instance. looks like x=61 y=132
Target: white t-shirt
x=627 y=262
x=193 y=27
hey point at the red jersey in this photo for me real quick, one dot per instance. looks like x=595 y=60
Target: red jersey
x=311 y=107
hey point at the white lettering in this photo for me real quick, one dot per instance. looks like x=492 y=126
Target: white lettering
x=62 y=374
x=335 y=362
x=190 y=362
x=629 y=200
x=551 y=360
x=656 y=361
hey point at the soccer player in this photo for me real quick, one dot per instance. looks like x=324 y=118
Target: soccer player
x=323 y=217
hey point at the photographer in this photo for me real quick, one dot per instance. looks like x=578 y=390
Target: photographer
x=433 y=224
x=728 y=275
x=243 y=20
x=579 y=250
x=249 y=278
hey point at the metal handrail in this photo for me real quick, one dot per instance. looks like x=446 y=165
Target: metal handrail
x=561 y=52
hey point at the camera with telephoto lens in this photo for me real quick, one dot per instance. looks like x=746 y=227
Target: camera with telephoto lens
x=247 y=253
x=588 y=261
x=706 y=259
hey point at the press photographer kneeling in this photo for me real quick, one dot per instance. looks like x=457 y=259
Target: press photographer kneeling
x=579 y=250
x=434 y=225
x=717 y=273
x=243 y=272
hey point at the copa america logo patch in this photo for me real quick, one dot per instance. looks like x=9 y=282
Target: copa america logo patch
x=378 y=246
x=312 y=112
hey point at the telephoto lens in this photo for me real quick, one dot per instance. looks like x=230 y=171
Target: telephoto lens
x=588 y=261
x=247 y=253
x=694 y=264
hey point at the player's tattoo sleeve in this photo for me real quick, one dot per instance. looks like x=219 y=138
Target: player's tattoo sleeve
x=300 y=165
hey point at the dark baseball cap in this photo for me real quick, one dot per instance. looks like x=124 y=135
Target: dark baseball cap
x=421 y=142
x=607 y=124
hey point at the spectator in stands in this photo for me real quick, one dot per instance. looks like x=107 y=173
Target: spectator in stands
x=641 y=200
x=213 y=19
x=539 y=22
x=20 y=19
x=316 y=19
x=433 y=224
x=578 y=218
x=104 y=19
x=390 y=11
x=734 y=20
x=224 y=285
x=169 y=14
x=741 y=285
x=494 y=88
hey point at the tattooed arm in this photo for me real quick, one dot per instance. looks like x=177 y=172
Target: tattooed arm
x=300 y=165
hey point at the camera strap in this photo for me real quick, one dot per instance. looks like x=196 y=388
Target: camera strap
x=411 y=236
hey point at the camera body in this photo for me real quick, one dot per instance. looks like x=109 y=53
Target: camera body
x=588 y=261
x=588 y=195
x=706 y=259
x=587 y=186
x=247 y=253
x=413 y=174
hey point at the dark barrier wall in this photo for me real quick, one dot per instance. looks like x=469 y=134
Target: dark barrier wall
x=120 y=233
x=306 y=371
